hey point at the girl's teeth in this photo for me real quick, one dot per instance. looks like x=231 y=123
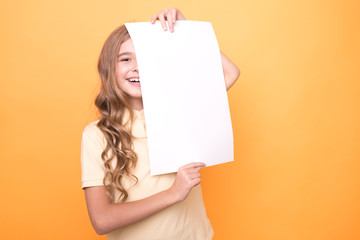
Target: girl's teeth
x=134 y=80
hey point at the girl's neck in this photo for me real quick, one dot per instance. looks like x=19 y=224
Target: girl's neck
x=137 y=104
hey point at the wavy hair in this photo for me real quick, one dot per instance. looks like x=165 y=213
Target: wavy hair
x=113 y=105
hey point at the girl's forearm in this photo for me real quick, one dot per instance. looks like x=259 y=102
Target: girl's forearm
x=108 y=217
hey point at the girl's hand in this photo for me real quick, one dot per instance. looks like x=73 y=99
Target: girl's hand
x=169 y=14
x=187 y=177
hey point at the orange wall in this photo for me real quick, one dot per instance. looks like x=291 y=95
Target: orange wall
x=295 y=113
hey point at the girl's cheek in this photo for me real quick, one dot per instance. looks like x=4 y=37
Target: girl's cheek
x=120 y=70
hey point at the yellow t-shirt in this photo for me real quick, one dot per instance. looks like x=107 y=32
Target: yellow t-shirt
x=186 y=220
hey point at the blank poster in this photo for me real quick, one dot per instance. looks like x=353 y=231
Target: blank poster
x=184 y=95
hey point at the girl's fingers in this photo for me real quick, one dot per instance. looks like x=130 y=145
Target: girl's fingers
x=162 y=21
x=153 y=19
x=195 y=182
x=193 y=170
x=191 y=177
x=168 y=15
x=193 y=165
x=170 y=20
x=173 y=14
x=195 y=175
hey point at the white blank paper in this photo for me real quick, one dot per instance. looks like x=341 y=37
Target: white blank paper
x=185 y=102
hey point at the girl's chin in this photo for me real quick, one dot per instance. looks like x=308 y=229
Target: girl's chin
x=135 y=96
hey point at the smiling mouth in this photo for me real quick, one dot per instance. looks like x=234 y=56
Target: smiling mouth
x=134 y=81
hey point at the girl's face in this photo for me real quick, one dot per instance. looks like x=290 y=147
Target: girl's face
x=127 y=74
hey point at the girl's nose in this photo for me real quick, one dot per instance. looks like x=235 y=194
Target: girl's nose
x=135 y=67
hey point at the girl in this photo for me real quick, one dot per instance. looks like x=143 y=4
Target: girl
x=123 y=200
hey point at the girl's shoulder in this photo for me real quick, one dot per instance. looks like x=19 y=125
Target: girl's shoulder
x=92 y=131
x=92 y=125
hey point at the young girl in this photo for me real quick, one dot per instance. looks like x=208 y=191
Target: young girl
x=123 y=200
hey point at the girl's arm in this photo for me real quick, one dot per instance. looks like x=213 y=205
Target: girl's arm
x=231 y=71
x=106 y=217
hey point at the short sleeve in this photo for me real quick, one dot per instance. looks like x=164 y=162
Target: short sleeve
x=92 y=167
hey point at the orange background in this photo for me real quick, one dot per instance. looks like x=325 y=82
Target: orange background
x=295 y=112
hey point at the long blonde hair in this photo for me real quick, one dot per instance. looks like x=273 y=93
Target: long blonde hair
x=113 y=104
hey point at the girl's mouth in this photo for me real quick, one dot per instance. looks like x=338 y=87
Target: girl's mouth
x=134 y=81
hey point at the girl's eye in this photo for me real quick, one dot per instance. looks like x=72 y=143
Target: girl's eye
x=125 y=59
